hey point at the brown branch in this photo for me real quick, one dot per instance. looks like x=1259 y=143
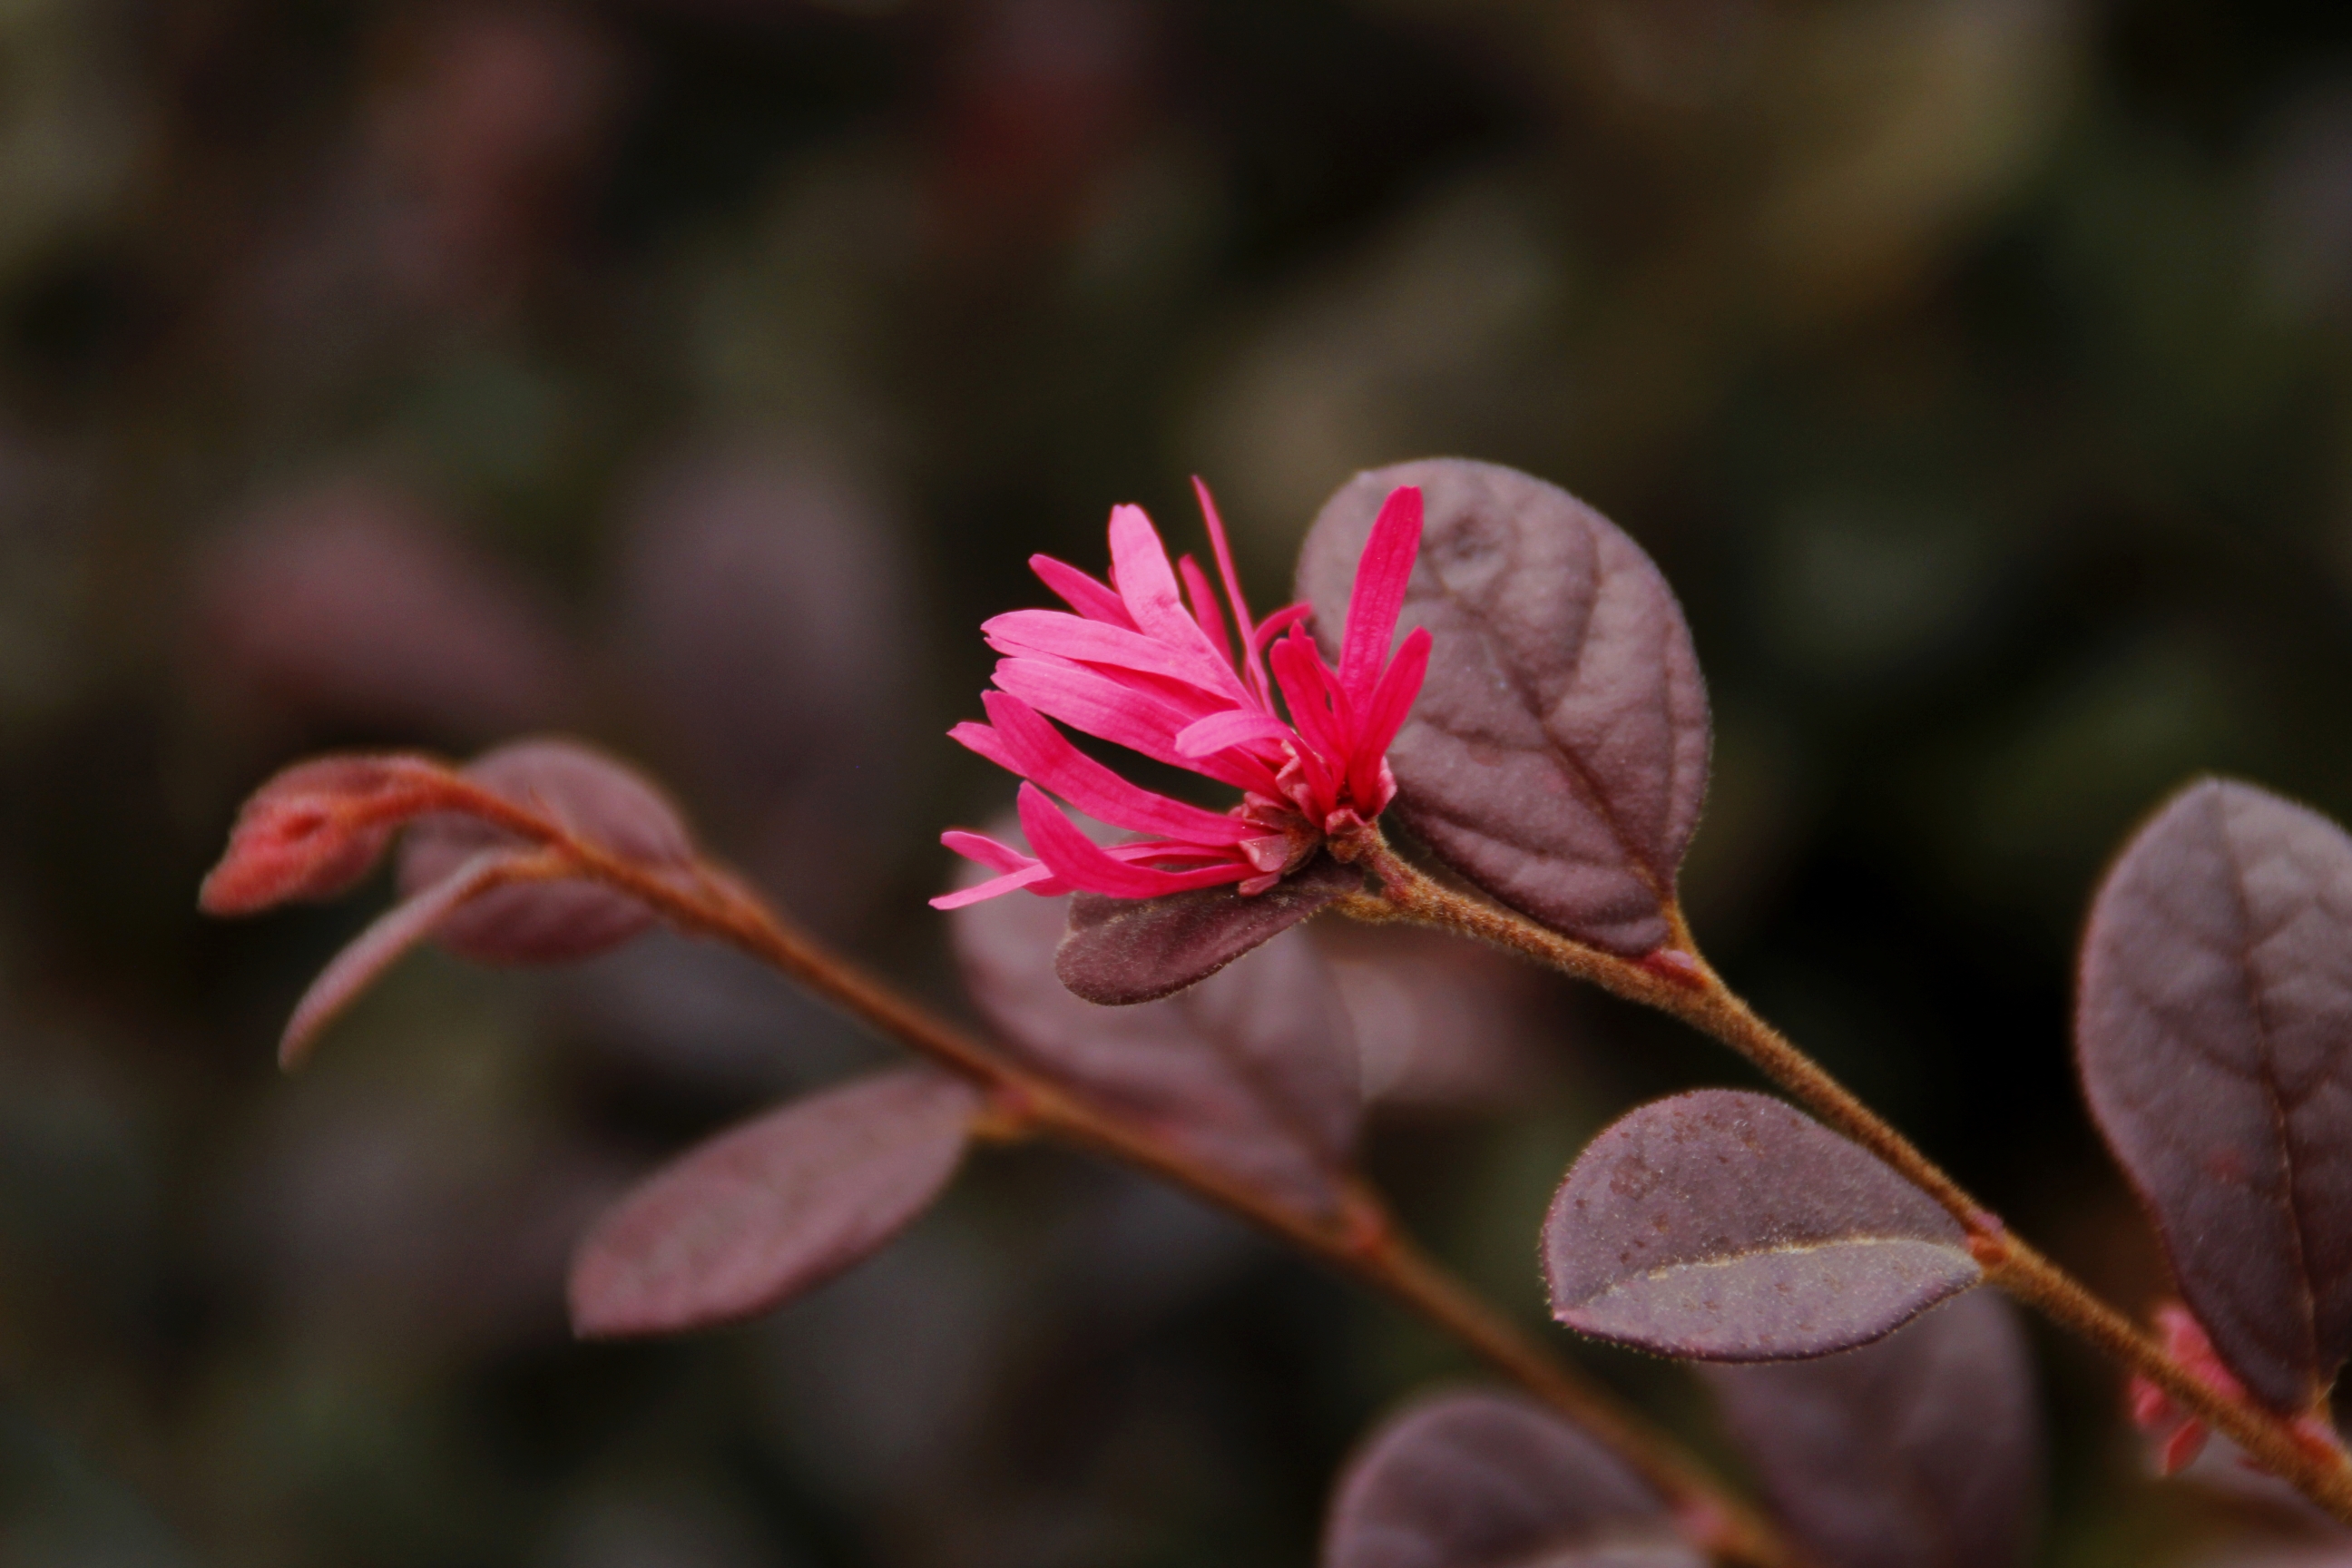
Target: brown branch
x=1361 y=1239
x=1679 y=982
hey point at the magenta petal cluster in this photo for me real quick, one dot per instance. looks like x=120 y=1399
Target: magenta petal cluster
x=1149 y=661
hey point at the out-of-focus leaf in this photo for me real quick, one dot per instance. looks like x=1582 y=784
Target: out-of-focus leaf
x=767 y=621
x=1443 y=1023
x=2214 y=1030
x=349 y=604
x=593 y=795
x=1557 y=755
x=1253 y=1070
x=1119 y=952
x=1924 y=1447
x=1725 y=1225
x=1492 y=1480
x=763 y=1212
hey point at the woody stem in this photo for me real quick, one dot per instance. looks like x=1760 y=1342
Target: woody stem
x=1679 y=982
x=1360 y=1238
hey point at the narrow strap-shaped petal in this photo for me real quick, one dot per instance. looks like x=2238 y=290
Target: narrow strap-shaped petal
x=1079 y=861
x=1096 y=642
x=1253 y=659
x=1235 y=727
x=1281 y=621
x=1315 y=701
x=1090 y=598
x=1038 y=879
x=1384 y=715
x=1043 y=755
x=1140 y=720
x=1203 y=600
x=980 y=738
x=1148 y=583
x=1382 y=573
x=988 y=852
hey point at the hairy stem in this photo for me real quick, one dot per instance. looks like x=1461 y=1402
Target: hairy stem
x=1360 y=1239
x=1677 y=981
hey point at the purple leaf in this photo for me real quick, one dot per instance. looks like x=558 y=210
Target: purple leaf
x=1725 y=1225
x=2214 y=1029
x=1557 y=756
x=1253 y=1070
x=1491 y=1481
x=1924 y=1447
x=1119 y=952
x=763 y=1212
x=597 y=798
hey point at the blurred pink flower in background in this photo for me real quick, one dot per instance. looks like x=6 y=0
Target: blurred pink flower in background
x=1135 y=666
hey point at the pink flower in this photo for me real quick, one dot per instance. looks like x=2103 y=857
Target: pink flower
x=1150 y=667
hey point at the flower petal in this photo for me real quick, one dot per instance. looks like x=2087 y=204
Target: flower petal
x=1317 y=706
x=1234 y=727
x=1382 y=573
x=1038 y=752
x=1037 y=879
x=1078 y=860
x=1140 y=718
x=1250 y=643
x=1147 y=585
x=1203 y=600
x=1096 y=642
x=1090 y=598
x=1384 y=715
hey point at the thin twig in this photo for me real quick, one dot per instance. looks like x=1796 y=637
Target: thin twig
x=1679 y=982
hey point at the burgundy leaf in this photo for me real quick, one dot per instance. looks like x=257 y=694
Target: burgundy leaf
x=763 y=1212
x=1725 y=1225
x=391 y=934
x=1557 y=756
x=593 y=795
x=1494 y=1480
x=1119 y=952
x=1924 y=1447
x=2214 y=1031
x=1253 y=1070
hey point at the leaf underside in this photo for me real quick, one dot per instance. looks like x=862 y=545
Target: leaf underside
x=1725 y=1225
x=2214 y=1033
x=1557 y=756
x=1121 y=951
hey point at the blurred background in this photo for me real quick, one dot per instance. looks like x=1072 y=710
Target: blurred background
x=696 y=374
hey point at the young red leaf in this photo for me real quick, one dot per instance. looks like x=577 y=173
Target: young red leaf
x=1494 y=1480
x=1924 y=1447
x=316 y=829
x=1253 y=1070
x=1119 y=952
x=1725 y=1225
x=591 y=795
x=1557 y=756
x=761 y=1213
x=2214 y=1033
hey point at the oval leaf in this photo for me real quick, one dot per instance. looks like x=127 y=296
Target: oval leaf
x=1725 y=1225
x=1491 y=1481
x=1253 y=1070
x=1557 y=756
x=761 y=1213
x=1924 y=1447
x=595 y=796
x=1121 y=951
x=2214 y=1031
